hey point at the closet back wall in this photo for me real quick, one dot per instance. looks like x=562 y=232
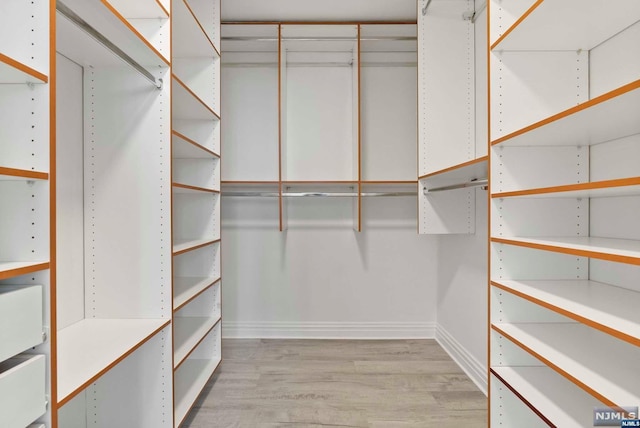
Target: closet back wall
x=320 y=278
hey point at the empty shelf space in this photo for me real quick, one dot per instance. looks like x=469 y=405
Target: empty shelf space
x=475 y=169
x=543 y=389
x=21 y=174
x=141 y=9
x=183 y=245
x=568 y=25
x=189 y=36
x=13 y=71
x=188 y=332
x=608 y=308
x=616 y=250
x=600 y=119
x=109 y=21
x=619 y=187
x=187 y=288
x=12 y=269
x=583 y=356
x=91 y=347
x=186 y=188
x=190 y=378
x=186 y=148
x=187 y=105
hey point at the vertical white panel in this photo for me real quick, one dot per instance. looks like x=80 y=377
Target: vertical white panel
x=481 y=83
x=521 y=168
x=389 y=122
x=74 y=413
x=195 y=216
x=24 y=32
x=615 y=159
x=545 y=82
x=539 y=217
x=24 y=127
x=319 y=123
x=615 y=62
x=250 y=138
x=127 y=188
x=69 y=193
x=137 y=392
x=446 y=86
x=511 y=262
x=24 y=221
x=619 y=274
x=448 y=211
x=615 y=217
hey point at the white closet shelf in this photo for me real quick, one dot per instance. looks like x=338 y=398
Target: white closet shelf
x=189 y=380
x=568 y=25
x=189 y=36
x=610 y=309
x=12 y=269
x=543 y=389
x=107 y=20
x=13 y=71
x=187 y=288
x=187 y=105
x=141 y=9
x=188 y=333
x=607 y=117
x=91 y=347
x=616 y=250
x=597 y=189
x=181 y=246
x=186 y=148
x=455 y=174
x=21 y=174
x=186 y=188
x=583 y=356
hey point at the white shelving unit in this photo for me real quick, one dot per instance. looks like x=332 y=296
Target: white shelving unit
x=565 y=248
x=452 y=96
x=195 y=197
x=113 y=214
x=25 y=229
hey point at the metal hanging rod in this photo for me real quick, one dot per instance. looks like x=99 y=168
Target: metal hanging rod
x=315 y=194
x=97 y=36
x=473 y=183
x=319 y=39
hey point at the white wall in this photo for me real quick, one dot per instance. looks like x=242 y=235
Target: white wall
x=327 y=280
x=462 y=321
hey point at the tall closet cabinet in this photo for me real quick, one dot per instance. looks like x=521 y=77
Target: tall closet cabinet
x=565 y=195
x=109 y=251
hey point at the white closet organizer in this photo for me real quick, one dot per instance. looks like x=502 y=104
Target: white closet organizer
x=452 y=128
x=565 y=235
x=316 y=143
x=195 y=128
x=25 y=259
x=113 y=215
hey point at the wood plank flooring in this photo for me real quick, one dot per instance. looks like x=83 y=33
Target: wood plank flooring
x=338 y=383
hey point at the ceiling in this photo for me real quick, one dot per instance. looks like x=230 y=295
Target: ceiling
x=319 y=10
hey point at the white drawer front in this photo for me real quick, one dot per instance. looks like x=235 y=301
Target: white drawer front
x=22 y=391
x=20 y=319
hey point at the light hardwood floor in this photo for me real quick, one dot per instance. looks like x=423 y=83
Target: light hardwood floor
x=338 y=383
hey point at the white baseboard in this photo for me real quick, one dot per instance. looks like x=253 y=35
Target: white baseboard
x=469 y=364
x=328 y=330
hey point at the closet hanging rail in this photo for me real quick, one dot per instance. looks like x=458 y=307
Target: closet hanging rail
x=473 y=183
x=315 y=194
x=318 y=39
x=96 y=35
